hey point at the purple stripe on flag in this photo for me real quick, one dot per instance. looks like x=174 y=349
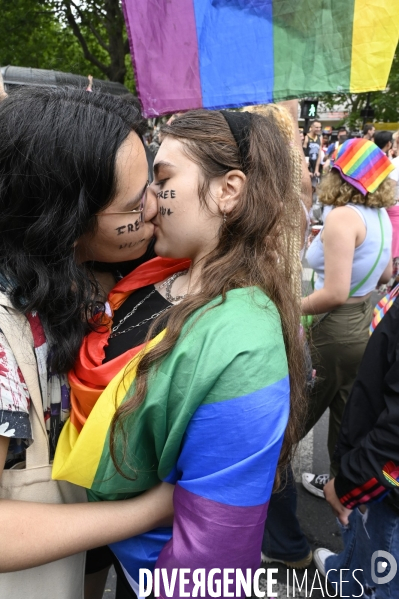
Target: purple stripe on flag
x=208 y=534
x=164 y=48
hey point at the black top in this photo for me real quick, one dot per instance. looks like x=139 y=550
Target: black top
x=368 y=442
x=312 y=150
x=121 y=343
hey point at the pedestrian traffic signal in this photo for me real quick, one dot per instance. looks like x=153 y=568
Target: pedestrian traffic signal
x=309 y=109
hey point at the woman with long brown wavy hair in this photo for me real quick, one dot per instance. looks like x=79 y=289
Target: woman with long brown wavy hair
x=214 y=401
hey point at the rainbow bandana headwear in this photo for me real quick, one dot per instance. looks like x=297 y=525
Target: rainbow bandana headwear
x=362 y=164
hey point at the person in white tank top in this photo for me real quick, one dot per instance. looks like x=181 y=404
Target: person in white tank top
x=351 y=255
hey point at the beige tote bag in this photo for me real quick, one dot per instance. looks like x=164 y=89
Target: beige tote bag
x=62 y=579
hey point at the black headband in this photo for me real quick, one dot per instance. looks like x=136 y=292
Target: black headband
x=240 y=126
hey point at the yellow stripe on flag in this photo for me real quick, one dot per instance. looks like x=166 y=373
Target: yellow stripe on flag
x=374 y=40
x=77 y=456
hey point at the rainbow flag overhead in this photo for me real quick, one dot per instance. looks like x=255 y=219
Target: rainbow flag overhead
x=226 y=53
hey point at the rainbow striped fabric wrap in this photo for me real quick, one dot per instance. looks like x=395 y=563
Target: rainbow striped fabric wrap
x=391 y=473
x=226 y=53
x=382 y=308
x=212 y=422
x=363 y=165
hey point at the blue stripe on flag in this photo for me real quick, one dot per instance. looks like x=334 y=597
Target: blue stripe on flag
x=235 y=48
x=231 y=448
x=142 y=551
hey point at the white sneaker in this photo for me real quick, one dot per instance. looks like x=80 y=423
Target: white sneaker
x=315 y=483
x=319 y=557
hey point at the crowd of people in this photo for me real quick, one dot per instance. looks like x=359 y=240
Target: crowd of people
x=354 y=254
x=326 y=152
x=151 y=347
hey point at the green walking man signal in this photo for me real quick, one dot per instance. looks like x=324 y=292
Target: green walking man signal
x=309 y=109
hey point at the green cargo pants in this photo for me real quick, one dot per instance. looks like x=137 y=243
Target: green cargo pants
x=337 y=344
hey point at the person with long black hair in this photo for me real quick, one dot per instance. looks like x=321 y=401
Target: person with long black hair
x=72 y=168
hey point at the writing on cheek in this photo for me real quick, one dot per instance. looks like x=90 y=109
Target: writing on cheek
x=131 y=227
x=165 y=195
x=129 y=245
x=165 y=211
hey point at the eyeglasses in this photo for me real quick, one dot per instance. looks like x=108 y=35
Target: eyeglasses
x=139 y=210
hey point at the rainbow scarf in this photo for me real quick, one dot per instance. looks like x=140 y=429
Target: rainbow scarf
x=227 y=53
x=391 y=473
x=90 y=376
x=382 y=308
x=362 y=164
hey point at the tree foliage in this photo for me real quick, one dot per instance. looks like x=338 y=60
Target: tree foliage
x=67 y=35
x=99 y=27
x=385 y=103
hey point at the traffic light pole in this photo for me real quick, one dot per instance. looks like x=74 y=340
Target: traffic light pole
x=306 y=126
x=367 y=110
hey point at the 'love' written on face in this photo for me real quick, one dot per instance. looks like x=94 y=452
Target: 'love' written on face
x=168 y=193
x=130 y=245
x=130 y=228
x=165 y=211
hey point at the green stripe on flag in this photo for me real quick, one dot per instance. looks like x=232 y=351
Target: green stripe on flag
x=317 y=36
x=206 y=366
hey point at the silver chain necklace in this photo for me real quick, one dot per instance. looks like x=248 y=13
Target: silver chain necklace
x=168 y=284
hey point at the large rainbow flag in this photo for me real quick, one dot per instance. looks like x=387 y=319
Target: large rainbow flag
x=227 y=53
x=212 y=423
